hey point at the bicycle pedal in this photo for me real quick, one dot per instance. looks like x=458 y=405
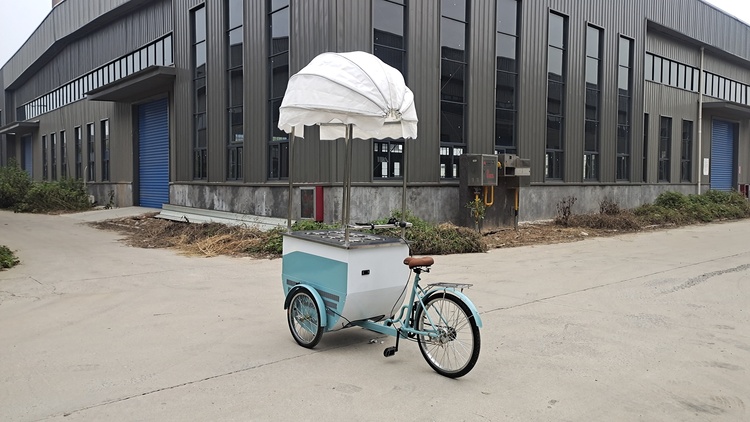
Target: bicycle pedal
x=390 y=351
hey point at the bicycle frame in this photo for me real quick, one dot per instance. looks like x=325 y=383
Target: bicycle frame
x=407 y=311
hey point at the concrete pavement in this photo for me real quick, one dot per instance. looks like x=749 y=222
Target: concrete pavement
x=650 y=326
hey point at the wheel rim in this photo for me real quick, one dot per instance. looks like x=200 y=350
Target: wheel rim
x=452 y=350
x=304 y=318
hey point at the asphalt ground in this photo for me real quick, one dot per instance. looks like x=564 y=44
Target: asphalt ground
x=638 y=327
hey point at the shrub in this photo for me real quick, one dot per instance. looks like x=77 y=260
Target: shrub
x=14 y=184
x=7 y=258
x=609 y=207
x=442 y=239
x=63 y=195
x=273 y=242
x=565 y=210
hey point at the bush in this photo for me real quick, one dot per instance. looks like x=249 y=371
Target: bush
x=63 y=195
x=273 y=244
x=442 y=239
x=565 y=210
x=7 y=258
x=14 y=184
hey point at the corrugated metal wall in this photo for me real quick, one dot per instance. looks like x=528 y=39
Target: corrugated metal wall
x=182 y=104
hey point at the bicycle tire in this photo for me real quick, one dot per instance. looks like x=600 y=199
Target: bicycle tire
x=303 y=317
x=455 y=352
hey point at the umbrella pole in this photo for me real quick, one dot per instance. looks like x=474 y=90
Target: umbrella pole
x=291 y=182
x=347 y=182
x=403 y=193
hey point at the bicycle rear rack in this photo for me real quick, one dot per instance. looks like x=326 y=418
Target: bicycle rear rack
x=456 y=286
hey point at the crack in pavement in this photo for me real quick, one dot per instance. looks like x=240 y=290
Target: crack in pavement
x=184 y=384
x=698 y=279
x=704 y=277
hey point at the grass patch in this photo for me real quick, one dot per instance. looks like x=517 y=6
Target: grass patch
x=670 y=208
x=7 y=258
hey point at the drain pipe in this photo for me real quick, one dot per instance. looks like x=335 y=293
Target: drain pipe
x=700 y=123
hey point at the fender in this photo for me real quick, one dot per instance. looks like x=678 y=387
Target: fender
x=461 y=296
x=316 y=296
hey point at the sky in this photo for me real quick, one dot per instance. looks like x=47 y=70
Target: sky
x=21 y=18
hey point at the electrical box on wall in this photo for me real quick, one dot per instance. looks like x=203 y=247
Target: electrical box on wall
x=481 y=169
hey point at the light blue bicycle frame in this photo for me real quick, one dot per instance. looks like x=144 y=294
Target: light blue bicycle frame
x=386 y=326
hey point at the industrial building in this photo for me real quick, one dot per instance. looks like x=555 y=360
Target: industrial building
x=176 y=102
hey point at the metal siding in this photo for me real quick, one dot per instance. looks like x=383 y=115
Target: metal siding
x=153 y=147
x=92 y=47
x=216 y=91
x=423 y=64
x=183 y=95
x=722 y=155
x=256 y=92
x=480 y=128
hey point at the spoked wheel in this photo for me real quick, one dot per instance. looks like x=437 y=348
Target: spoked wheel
x=303 y=317
x=456 y=349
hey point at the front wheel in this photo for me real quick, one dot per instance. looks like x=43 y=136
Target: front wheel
x=455 y=349
x=303 y=317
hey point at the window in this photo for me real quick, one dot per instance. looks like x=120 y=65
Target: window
x=389 y=28
x=278 y=60
x=63 y=155
x=234 y=24
x=449 y=157
x=200 y=138
x=92 y=154
x=624 y=99
x=453 y=30
x=592 y=99
x=45 y=162
x=686 y=161
x=53 y=151
x=105 y=150
x=556 y=62
x=665 y=147
x=506 y=82
x=389 y=159
x=79 y=152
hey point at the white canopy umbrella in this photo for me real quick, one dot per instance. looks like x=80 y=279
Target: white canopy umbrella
x=349 y=95
x=357 y=88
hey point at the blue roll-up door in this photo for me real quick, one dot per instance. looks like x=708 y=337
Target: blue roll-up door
x=153 y=149
x=722 y=155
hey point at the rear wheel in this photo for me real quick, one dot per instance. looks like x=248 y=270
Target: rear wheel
x=455 y=349
x=303 y=317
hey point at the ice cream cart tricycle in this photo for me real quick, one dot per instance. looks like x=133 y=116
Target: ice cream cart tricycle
x=352 y=277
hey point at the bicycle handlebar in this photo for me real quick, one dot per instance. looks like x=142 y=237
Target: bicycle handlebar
x=392 y=223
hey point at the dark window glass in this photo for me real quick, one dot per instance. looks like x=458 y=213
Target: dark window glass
x=388 y=159
x=105 y=149
x=200 y=150
x=388 y=22
x=649 y=67
x=452 y=122
x=665 y=148
x=280 y=31
x=278 y=76
x=90 y=130
x=45 y=161
x=686 y=162
x=453 y=39
x=79 y=153
x=556 y=34
x=455 y=9
x=53 y=151
x=507 y=17
x=506 y=52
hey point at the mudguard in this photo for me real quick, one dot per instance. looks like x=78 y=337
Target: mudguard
x=463 y=297
x=316 y=296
